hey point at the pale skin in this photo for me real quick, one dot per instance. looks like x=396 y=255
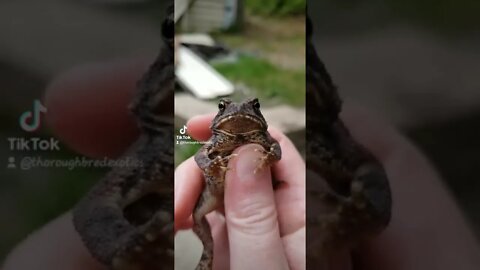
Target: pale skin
x=419 y=237
x=265 y=226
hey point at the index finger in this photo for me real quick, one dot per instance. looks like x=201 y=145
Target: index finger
x=87 y=106
x=199 y=126
x=188 y=186
x=411 y=240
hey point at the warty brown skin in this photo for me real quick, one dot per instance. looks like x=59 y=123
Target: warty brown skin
x=126 y=219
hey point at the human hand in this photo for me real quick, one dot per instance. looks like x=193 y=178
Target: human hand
x=427 y=229
x=263 y=225
x=87 y=110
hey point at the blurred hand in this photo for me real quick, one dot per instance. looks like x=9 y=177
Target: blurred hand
x=427 y=230
x=87 y=110
x=264 y=226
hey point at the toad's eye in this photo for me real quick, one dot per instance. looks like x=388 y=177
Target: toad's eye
x=256 y=105
x=221 y=106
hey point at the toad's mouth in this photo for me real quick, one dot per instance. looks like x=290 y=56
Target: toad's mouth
x=240 y=123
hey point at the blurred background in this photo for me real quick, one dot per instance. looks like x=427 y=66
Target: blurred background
x=423 y=60
x=237 y=49
x=39 y=41
x=252 y=48
x=240 y=49
x=416 y=63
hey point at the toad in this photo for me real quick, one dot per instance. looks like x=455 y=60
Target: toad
x=235 y=124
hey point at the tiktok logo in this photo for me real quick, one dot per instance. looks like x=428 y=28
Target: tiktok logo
x=31 y=120
x=183 y=130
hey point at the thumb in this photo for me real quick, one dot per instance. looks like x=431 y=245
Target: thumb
x=251 y=215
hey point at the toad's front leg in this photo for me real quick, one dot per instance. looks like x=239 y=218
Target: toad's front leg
x=362 y=211
x=273 y=154
x=213 y=169
x=149 y=246
x=354 y=191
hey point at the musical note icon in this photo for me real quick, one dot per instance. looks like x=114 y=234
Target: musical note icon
x=30 y=121
x=183 y=130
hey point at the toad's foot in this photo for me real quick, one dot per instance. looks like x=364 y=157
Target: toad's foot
x=220 y=165
x=266 y=160
x=349 y=218
x=149 y=243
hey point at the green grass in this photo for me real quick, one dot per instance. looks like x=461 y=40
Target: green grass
x=183 y=152
x=266 y=80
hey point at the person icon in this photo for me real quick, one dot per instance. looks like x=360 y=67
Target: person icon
x=11 y=163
